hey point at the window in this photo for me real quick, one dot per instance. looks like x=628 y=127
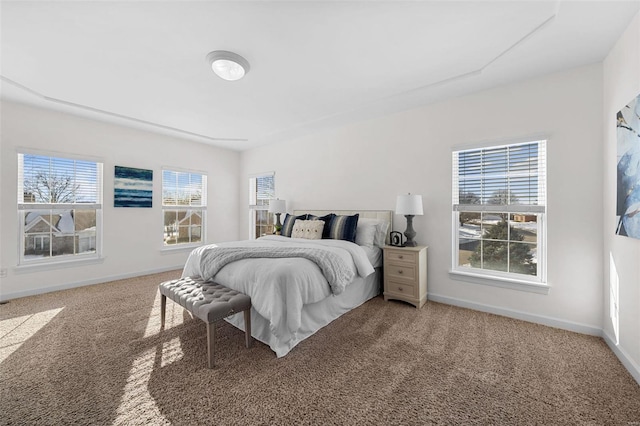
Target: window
x=60 y=208
x=184 y=203
x=261 y=190
x=499 y=207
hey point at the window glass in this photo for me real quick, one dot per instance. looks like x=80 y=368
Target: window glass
x=59 y=202
x=184 y=204
x=499 y=210
x=261 y=190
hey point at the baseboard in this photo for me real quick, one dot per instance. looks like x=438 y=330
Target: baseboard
x=511 y=313
x=628 y=363
x=33 y=292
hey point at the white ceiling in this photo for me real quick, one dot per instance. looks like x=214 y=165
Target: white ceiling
x=314 y=64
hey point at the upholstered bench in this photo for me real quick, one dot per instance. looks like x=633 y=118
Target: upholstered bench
x=208 y=301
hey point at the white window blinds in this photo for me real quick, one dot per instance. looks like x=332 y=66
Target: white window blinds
x=509 y=178
x=261 y=189
x=60 y=181
x=184 y=189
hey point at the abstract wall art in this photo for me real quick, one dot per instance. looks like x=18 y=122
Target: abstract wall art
x=132 y=187
x=628 y=203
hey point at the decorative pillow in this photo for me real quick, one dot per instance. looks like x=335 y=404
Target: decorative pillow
x=382 y=226
x=366 y=233
x=287 y=226
x=327 y=223
x=309 y=229
x=344 y=228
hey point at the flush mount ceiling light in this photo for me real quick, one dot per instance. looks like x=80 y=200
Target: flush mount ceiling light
x=228 y=65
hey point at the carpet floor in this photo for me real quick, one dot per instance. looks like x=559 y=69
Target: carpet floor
x=96 y=356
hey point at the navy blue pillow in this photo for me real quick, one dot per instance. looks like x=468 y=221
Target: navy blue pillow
x=327 y=223
x=344 y=228
x=287 y=226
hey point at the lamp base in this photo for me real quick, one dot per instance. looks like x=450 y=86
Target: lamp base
x=278 y=226
x=410 y=233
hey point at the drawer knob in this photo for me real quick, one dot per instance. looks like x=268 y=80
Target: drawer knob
x=400 y=288
x=400 y=257
x=400 y=271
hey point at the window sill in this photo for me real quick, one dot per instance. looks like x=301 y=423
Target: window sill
x=511 y=283
x=179 y=248
x=61 y=264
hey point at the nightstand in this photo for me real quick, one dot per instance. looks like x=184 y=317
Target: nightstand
x=405 y=274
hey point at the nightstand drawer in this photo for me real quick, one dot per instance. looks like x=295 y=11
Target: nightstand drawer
x=400 y=256
x=401 y=288
x=400 y=271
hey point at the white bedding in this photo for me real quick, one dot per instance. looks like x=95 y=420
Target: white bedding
x=280 y=288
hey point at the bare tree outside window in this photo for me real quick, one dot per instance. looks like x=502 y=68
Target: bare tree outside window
x=54 y=189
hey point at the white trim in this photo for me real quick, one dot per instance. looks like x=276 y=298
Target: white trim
x=58 y=154
x=113 y=114
x=173 y=248
x=497 y=143
x=503 y=282
x=182 y=208
x=61 y=206
x=625 y=359
x=499 y=208
x=71 y=261
x=32 y=292
x=524 y=316
x=181 y=170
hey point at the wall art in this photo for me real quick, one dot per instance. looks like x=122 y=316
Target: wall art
x=132 y=187
x=628 y=203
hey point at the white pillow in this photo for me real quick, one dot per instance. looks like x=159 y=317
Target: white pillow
x=365 y=234
x=381 y=228
x=308 y=229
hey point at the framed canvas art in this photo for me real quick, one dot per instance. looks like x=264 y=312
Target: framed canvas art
x=132 y=187
x=628 y=170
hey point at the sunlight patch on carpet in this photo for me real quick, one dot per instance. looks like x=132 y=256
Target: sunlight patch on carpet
x=16 y=331
x=137 y=406
x=175 y=316
x=171 y=351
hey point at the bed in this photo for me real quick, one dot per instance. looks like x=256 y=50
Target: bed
x=294 y=294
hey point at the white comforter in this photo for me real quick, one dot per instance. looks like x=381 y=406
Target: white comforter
x=279 y=288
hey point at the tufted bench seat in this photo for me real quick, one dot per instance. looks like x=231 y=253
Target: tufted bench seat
x=208 y=301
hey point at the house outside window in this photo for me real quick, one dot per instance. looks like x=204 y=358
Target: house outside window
x=499 y=211
x=60 y=208
x=184 y=205
x=261 y=190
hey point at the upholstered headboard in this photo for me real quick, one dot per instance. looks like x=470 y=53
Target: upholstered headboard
x=373 y=214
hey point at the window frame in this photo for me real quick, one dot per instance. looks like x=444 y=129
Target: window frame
x=189 y=208
x=25 y=207
x=255 y=207
x=535 y=283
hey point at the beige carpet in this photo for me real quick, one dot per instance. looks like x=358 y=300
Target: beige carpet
x=96 y=356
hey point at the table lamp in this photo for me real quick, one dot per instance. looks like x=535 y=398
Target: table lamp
x=277 y=207
x=409 y=206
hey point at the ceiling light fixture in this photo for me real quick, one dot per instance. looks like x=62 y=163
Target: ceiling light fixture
x=228 y=65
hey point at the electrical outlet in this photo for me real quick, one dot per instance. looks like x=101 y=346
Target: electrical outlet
x=3 y=272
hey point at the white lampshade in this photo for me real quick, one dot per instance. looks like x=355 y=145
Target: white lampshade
x=409 y=205
x=277 y=206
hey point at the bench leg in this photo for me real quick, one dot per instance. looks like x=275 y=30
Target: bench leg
x=211 y=342
x=163 y=310
x=247 y=327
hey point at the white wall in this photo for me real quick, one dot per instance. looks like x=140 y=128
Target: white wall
x=621 y=85
x=366 y=165
x=132 y=236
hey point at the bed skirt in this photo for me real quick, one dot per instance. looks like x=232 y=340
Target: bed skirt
x=315 y=315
